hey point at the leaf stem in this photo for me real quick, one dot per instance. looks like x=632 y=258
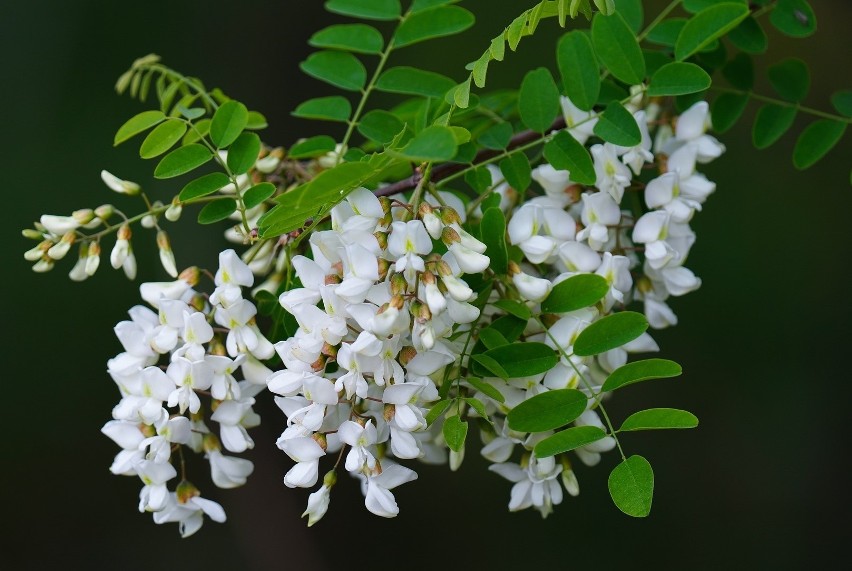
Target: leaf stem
x=782 y=103
x=666 y=11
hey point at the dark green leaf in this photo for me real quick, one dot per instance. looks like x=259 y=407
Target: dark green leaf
x=538 y=100
x=631 y=11
x=510 y=326
x=564 y=152
x=617 y=126
x=678 y=78
x=493 y=229
x=617 y=48
x=546 y=411
x=842 y=102
x=350 y=37
x=228 y=122
x=162 y=138
x=217 y=210
x=666 y=32
x=568 y=439
x=695 y=6
x=182 y=160
x=258 y=194
x=610 y=332
x=333 y=108
x=524 y=359
x=515 y=308
x=496 y=137
x=485 y=388
x=432 y=23
x=727 y=109
x=380 y=126
x=243 y=153
x=413 y=81
x=659 y=418
x=791 y=79
x=480 y=180
x=435 y=143
x=492 y=338
x=771 y=123
x=137 y=124
x=455 y=431
x=641 y=371
x=516 y=170
x=577 y=292
x=490 y=366
x=631 y=485
x=202 y=186
x=340 y=69
x=816 y=141
x=421 y=5
x=708 y=25
x=256 y=121
x=313 y=147
x=740 y=72
x=654 y=60
x=749 y=37
x=579 y=69
x=367 y=9
x=794 y=18
x=437 y=410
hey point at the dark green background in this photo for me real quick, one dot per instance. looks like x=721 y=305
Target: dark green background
x=761 y=484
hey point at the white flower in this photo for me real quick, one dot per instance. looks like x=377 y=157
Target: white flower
x=359 y=438
x=228 y=471
x=190 y=514
x=154 y=495
x=232 y=275
x=119 y=185
x=378 y=499
x=535 y=486
x=234 y=417
x=306 y=453
x=612 y=175
x=407 y=242
x=317 y=504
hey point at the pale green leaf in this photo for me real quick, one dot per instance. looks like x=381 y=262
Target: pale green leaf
x=359 y=38
x=659 y=419
x=217 y=210
x=564 y=152
x=228 y=122
x=138 y=124
x=204 y=185
x=199 y=130
x=256 y=121
x=617 y=48
x=576 y=292
x=610 y=332
x=631 y=486
x=333 y=108
x=162 y=138
x=678 y=78
x=567 y=440
x=454 y=431
x=437 y=410
x=340 y=69
x=182 y=160
x=638 y=371
x=546 y=411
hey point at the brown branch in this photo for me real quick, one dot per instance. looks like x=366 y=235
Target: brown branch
x=444 y=170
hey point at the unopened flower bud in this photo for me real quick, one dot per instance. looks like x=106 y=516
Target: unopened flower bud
x=174 y=210
x=644 y=285
x=406 y=354
x=43 y=265
x=78 y=272
x=267 y=164
x=389 y=412
x=514 y=268
x=329 y=350
x=210 y=442
x=190 y=275
x=167 y=257
x=321 y=439
x=330 y=479
x=382 y=239
x=94 y=258
x=450 y=236
x=217 y=348
x=449 y=215
x=386 y=204
x=384 y=268
x=185 y=491
x=456 y=458
x=83 y=216
x=37 y=253
x=31 y=234
x=119 y=185
x=150 y=220
x=58 y=251
x=398 y=285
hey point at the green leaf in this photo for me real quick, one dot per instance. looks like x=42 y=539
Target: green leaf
x=641 y=371
x=162 y=138
x=492 y=338
x=513 y=307
x=740 y=72
x=708 y=25
x=433 y=23
x=666 y=32
x=437 y=410
x=515 y=31
x=313 y=147
x=749 y=37
x=794 y=18
x=182 y=160
x=659 y=418
x=524 y=359
x=243 y=153
x=496 y=137
x=367 y=9
x=340 y=69
x=617 y=48
x=199 y=129
x=434 y=143
x=413 y=81
x=191 y=113
x=493 y=229
x=791 y=79
x=217 y=210
x=202 y=186
x=516 y=170
x=538 y=100
x=631 y=486
x=695 y=6
x=842 y=102
x=771 y=122
x=631 y=11
x=359 y=38
x=510 y=326
x=610 y=332
x=490 y=364
x=480 y=180
x=258 y=194
x=678 y=78
x=564 y=152
x=485 y=388
x=727 y=109
x=455 y=431
x=461 y=94
x=333 y=108
x=380 y=126
x=256 y=121
x=579 y=69
x=816 y=141
x=137 y=124
x=577 y=292
x=567 y=440
x=228 y=122
x=617 y=126
x=421 y=5
x=546 y=411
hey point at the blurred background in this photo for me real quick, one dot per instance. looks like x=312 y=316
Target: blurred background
x=761 y=483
